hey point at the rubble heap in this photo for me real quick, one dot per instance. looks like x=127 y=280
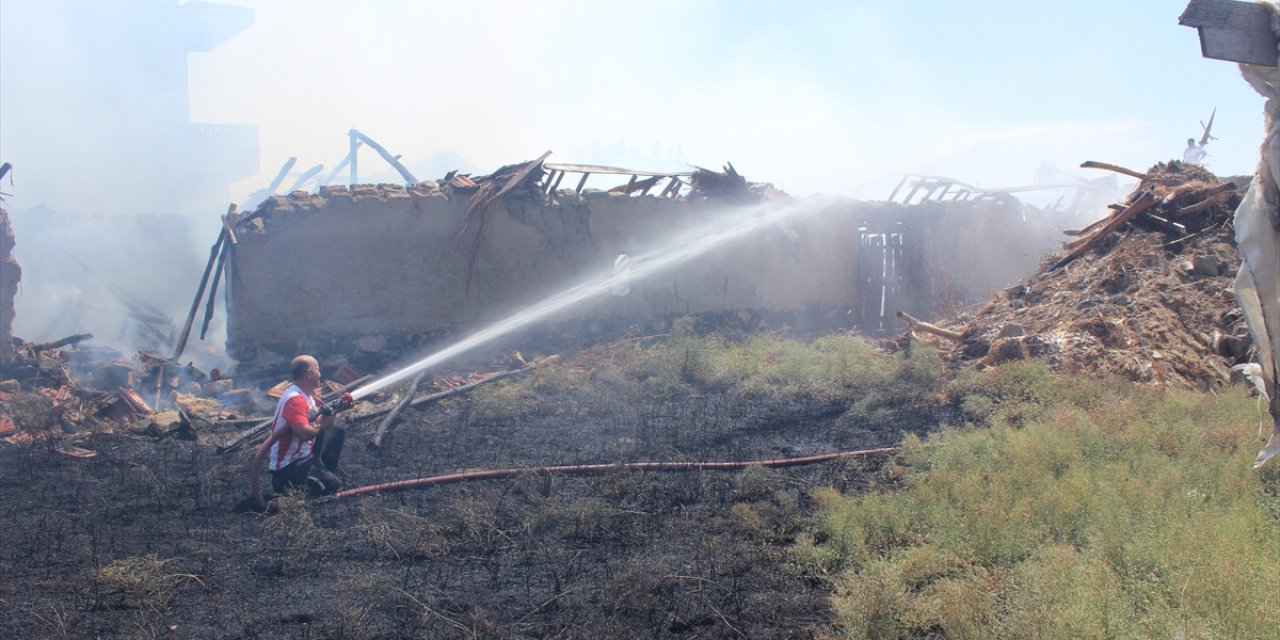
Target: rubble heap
x=70 y=389
x=1146 y=294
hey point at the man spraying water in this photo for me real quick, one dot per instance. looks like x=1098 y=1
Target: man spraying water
x=304 y=445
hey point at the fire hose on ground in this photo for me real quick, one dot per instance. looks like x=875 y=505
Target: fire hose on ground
x=585 y=469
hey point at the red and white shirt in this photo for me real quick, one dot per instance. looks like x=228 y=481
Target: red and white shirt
x=294 y=407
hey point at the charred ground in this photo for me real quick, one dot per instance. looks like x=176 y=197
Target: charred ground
x=142 y=540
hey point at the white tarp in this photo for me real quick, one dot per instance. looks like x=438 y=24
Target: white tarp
x=1257 y=223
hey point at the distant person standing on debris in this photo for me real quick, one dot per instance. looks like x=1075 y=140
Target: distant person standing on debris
x=300 y=453
x=1194 y=153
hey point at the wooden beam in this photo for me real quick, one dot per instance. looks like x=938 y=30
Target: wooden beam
x=1144 y=202
x=1090 y=164
x=302 y=179
x=394 y=161
x=912 y=193
x=920 y=325
x=213 y=288
x=895 y=189
x=284 y=171
x=395 y=412
x=195 y=304
x=333 y=175
x=354 y=157
x=673 y=188
x=229 y=223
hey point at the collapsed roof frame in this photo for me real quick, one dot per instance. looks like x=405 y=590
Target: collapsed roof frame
x=676 y=180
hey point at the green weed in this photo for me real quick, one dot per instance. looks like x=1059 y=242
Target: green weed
x=1086 y=510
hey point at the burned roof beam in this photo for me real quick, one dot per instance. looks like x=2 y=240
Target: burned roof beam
x=394 y=161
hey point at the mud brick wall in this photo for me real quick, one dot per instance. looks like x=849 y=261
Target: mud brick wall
x=372 y=262
x=10 y=274
x=366 y=264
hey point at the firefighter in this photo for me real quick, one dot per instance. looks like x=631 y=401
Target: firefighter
x=304 y=445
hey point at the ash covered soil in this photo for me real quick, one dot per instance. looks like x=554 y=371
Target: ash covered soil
x=143 y=540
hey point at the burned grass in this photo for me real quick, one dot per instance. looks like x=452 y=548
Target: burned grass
x=142 y=541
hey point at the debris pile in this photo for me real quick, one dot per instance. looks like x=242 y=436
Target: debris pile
x=69 y=389
x=1145 y=294
x=729 y=186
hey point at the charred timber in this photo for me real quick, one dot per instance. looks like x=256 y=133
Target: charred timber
x=65 y=342
x=921 y=325
x=395 y=412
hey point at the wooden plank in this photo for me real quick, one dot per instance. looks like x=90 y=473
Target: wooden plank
x=1233 y=30
x=1144 y=202
x=583 y=182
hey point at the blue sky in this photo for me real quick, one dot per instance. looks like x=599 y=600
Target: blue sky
x=816 y=97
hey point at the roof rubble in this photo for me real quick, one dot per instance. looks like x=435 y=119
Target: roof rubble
x=1145 y=294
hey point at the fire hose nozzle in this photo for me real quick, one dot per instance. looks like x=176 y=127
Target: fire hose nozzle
x=339 y=404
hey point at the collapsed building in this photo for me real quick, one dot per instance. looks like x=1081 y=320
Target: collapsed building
x=374 y=269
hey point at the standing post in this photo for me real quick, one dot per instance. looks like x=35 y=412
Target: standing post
x=195 y=304
x=355 y=145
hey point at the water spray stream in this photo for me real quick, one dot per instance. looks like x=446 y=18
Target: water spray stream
x=689 y=245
